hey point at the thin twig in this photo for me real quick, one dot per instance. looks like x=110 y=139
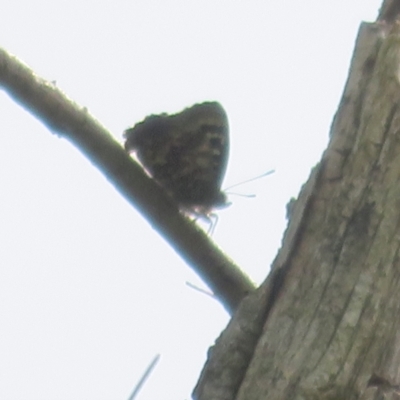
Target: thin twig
x=145 y=375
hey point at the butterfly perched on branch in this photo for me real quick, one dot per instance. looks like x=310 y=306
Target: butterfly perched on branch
x=186 y=154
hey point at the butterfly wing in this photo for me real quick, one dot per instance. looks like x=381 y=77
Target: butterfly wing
x=185 y=153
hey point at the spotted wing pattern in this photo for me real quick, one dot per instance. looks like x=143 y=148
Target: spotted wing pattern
x=186 y=154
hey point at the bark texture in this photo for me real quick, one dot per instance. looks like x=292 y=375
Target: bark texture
x=326 y=323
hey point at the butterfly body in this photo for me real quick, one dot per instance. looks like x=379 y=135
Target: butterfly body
x=186 y=154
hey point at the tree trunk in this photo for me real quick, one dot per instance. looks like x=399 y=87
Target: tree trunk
x=325 y=324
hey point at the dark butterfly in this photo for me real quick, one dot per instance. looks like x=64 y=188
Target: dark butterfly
x=186 y=154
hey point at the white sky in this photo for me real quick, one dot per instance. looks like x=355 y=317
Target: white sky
x=89 y=293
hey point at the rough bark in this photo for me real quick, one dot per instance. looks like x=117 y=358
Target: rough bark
x=325 y=324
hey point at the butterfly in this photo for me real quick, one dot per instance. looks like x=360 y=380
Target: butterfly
x=186 y=154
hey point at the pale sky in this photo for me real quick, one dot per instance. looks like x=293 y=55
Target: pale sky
x=89 y=292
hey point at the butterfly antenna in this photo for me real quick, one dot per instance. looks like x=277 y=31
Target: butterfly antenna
x=250 y=180
x=249 y=196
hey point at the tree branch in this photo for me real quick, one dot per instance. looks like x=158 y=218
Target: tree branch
x=65 y=117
